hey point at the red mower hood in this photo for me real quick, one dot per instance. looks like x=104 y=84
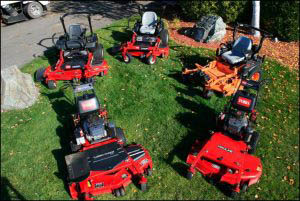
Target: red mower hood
x=228 y=152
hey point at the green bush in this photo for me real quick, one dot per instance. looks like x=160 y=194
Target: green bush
x=228 y=10
x=281 y=18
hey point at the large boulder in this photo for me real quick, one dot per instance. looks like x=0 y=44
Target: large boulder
x=211 y=28
x=18 y=90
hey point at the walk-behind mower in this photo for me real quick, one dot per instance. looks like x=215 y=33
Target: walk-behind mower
x=239 y=115
x=149 y=39
x=225 y=160
x=101 y=161
x=80 y=56
x=235 y=60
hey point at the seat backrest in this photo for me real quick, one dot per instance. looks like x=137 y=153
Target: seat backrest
x=242 y=44
x=149 y=18
x=75 y=31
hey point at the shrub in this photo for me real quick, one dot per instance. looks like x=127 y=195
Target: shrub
x=281 y=18
x=228 y=10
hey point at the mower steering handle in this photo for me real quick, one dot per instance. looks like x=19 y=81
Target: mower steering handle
x=265 y=33
x=74 y=13
x=53 y=39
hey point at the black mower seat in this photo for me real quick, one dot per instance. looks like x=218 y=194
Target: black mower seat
x=239 y=50
x=75 y=31
x=149 y=22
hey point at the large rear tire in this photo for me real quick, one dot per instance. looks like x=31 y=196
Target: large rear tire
x=39 y=74
x=33 y=10
x=98 y=55
x=253 y=142
x=164 y=37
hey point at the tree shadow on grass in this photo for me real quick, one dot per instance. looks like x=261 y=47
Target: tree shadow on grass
x=63 y=108
x=188 y=62
x=51 y=53
x=200 y=122
x=6 y=186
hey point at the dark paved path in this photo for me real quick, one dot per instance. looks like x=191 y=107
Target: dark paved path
x=19 y=42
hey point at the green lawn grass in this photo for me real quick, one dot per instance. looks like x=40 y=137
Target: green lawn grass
x=158 y=111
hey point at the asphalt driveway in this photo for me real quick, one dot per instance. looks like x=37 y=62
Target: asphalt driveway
x=21 y=42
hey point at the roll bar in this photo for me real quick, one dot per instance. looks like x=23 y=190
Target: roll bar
x=141 y=8
x=263 y=33
x=75 y=13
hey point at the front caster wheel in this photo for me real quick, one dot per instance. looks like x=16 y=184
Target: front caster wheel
x=127 y=58
x=207 y=94
x=122 y=191
x=143 y=187
x=233 y=194
x=189 y=175
x=51 y=84
x=148 y=171
x=117 y=193
x=151 y=60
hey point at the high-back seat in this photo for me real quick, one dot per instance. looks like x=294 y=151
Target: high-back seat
x=239 y=50
x=149 y=22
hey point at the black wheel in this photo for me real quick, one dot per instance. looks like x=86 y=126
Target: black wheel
x=143 y=187
x=164 y=37
x=189 y=175
x=39 y=74
x=117 y=192
x=33 y=10
x=98 y=55
x=233 y=194
x=218 y=52
x=127 y=59
x=255 y=75
x=244 y=187
x=253 y=142
x=90 y=80
x=122 y=191
x=51 y=84
x=121 y=136
x=148 y=171
x=151 y=60
x=74 y=147
x=207 y=94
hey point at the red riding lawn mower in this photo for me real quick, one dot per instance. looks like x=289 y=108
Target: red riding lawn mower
x=226 y=156
x=101 y=161
x=80 y=56
x=236 y=60
x=149 y=39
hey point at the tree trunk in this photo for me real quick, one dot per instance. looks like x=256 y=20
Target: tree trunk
x=255 y=16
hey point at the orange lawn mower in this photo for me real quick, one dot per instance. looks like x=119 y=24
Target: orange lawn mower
x=235 y=60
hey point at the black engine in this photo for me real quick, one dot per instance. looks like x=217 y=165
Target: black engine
x=94 y=128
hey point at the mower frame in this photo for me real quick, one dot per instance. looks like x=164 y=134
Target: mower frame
x=220 y=76
x=224 y=160
x=93 y=179
x=75 y=71
x=150 y=52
